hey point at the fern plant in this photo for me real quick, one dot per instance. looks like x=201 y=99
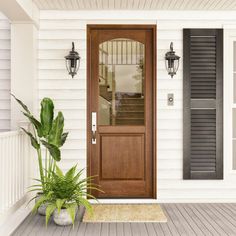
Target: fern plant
x=67 y=191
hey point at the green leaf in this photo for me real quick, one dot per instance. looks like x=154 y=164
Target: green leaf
x=59 y=204
x=34 y=142
x=78 y=175
x=21 y=103
x=46 y=115
x=70 y=173
x=86 y=204
x=59 y=172
x=63 y=138
x=54 y=151
x=49 y=210
x=55 y=134
x=71 y=209
x=42 y=199
x=35 y=123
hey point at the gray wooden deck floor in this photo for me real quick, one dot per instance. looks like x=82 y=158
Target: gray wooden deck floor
x=183 y=219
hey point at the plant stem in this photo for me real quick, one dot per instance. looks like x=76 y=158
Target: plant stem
x=54 y=165
x=46 y=163
x=40 y=166
x=50 y=166
x=39 y=152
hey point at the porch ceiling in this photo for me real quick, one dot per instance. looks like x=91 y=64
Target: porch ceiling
x=136 y=4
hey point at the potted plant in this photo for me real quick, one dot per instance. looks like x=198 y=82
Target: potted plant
x=67 y=192
x=47 y=132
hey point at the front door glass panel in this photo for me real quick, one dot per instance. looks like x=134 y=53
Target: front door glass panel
x=121 y=82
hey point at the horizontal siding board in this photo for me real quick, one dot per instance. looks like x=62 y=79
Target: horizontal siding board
x=5 y=54
x=4 y=44
x=4 y=74
x=57 y=64
x=5 y=34
x=70 y=104
x=66 y=94
x=74 y=84
x=61 y=44
x=62 y=24
x=63 y=34
x=4 y=125
x=59 y=75
x=5 y=85
x=5 y=104
x=4 y=114
x=169 y=124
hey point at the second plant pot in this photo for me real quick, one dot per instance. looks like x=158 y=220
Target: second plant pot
x=63 y=218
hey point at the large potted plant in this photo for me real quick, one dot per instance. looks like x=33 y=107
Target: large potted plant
x=48 y=132
x=67 y=192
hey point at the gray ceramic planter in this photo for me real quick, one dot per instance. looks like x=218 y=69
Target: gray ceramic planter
x=42 y=208
x=63 y=218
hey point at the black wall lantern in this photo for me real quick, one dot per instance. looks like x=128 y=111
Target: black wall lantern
x=72 y=61
x=172 y=61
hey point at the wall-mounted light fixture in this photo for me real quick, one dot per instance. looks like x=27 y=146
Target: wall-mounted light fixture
x=72 y=61
x=172 y=61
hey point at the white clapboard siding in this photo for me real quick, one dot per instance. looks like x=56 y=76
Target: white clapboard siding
x=69 y=95
x=4 y=73
x=55 y=37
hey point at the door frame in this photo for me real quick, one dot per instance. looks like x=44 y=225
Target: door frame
x=152 y=27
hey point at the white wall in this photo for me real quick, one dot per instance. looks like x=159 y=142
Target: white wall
x=59 y=29
x=5 y=53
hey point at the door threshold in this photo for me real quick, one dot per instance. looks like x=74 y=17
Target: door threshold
x=123 y=201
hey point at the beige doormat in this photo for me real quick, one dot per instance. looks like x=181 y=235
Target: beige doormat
x=125 y=213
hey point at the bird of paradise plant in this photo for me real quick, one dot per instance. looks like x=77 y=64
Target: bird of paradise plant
x=48 y=132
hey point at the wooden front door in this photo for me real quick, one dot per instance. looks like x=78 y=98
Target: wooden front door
x=121 y=110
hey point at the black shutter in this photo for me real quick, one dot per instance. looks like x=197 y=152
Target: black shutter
x=203 y=103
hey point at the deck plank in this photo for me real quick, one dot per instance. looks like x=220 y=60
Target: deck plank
x=135 y=229
x=158 y=229
x=177 y=223
x=112 y=229
x=105 y=229
x=172 y=226
x=214 y=220
x=127 y=229
x=227 y=224
x=204 y=218
x=183 y=219
x=120 y=229
x=192 y=214
x=150 y=229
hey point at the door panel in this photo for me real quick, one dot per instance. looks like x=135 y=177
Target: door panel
x=119 y=166
x=121 y=92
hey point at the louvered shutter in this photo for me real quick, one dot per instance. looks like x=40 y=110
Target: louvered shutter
x=203 y=103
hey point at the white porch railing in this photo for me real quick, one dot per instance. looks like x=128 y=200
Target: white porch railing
x=14 y=170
